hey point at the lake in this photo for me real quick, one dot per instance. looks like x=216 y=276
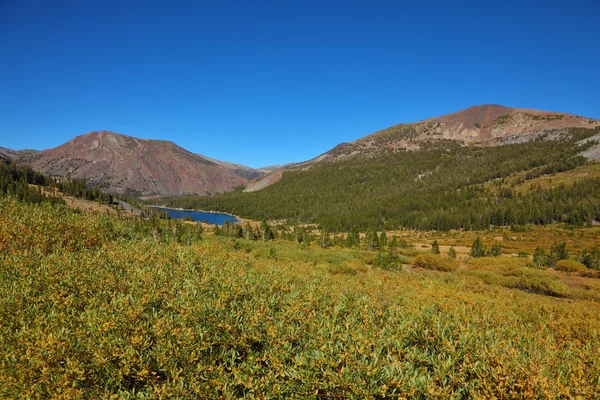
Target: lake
x=209 y=217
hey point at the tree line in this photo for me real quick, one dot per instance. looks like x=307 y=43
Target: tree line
x=439 y=188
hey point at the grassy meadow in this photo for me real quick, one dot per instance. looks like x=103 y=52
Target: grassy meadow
x=97 y=306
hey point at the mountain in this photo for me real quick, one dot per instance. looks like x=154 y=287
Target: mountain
x=239 y=169
x=487 y=165
x=7 y=154
x=482 y=125
x=137 y=167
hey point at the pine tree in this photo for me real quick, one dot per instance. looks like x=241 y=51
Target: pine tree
x=266 y=231
x=539 y=257
x=383 y=240
x=325 y=238
x=353 y=238
x=435 y=247
x=477 y=248
x=452 y=252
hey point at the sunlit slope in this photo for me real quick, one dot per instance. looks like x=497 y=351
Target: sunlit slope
x=443 y=186
x=93 y=306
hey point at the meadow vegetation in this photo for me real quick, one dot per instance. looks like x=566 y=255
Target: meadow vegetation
x=97 y=306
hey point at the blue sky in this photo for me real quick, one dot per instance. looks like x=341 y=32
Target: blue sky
x=262 y=83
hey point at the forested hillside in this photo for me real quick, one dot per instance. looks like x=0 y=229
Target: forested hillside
x=441 y=187
x=26 y=185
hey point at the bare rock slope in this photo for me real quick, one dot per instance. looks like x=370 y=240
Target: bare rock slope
x=127 y=165
x=483 y=125
x=480 y=125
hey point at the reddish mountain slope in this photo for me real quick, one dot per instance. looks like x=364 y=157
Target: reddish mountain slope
x=126 y=165
x=482 y=125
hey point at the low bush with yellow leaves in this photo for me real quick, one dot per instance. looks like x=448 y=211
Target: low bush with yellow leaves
x=126 y=311
x=434 y=261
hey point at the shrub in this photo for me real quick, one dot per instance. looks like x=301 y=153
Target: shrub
x=390 y=261
x=495 y=251
x=503 y=265
x=569 y=266
x=347 y=268
x=541 y=285
x=433 y=261
x=558 y=252
x=591 y=258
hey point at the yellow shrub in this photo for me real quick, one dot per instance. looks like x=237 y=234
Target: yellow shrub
x=433 y=261
x=499 y=264
x=569 y=266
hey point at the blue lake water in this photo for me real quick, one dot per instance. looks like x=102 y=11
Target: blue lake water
x=211 y=218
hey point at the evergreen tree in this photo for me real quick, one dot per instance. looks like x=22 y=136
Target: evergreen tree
x=477 y=248
x=239 y=232
x=353 y=238
x=372 y=240
x=539 y=257
x=435 y=247
x=299 y=234
x=558 y=252
x=452 y=252
x=266 y=232
x=383 y=240
x=325 y=238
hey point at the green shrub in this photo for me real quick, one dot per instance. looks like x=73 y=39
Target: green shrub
x=591 y=258
x=433 y=261
x=389 y=261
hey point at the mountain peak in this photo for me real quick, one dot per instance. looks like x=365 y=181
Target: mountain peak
x=138 y=167
x=482 y=124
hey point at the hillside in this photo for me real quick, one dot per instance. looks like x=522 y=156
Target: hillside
x=482 y=125
x=7 y=154
x=136 y=167
x=442 y=186
x=441 y=173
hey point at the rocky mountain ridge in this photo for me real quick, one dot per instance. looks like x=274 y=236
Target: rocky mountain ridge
x=153 y=168
x=483 y=125
x=135 y=167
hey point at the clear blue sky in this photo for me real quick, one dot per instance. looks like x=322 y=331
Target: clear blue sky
x=264 y=83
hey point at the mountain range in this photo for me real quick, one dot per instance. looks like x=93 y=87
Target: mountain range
x=154 y=168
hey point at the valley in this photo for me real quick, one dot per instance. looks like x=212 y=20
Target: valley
x=412 y=263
